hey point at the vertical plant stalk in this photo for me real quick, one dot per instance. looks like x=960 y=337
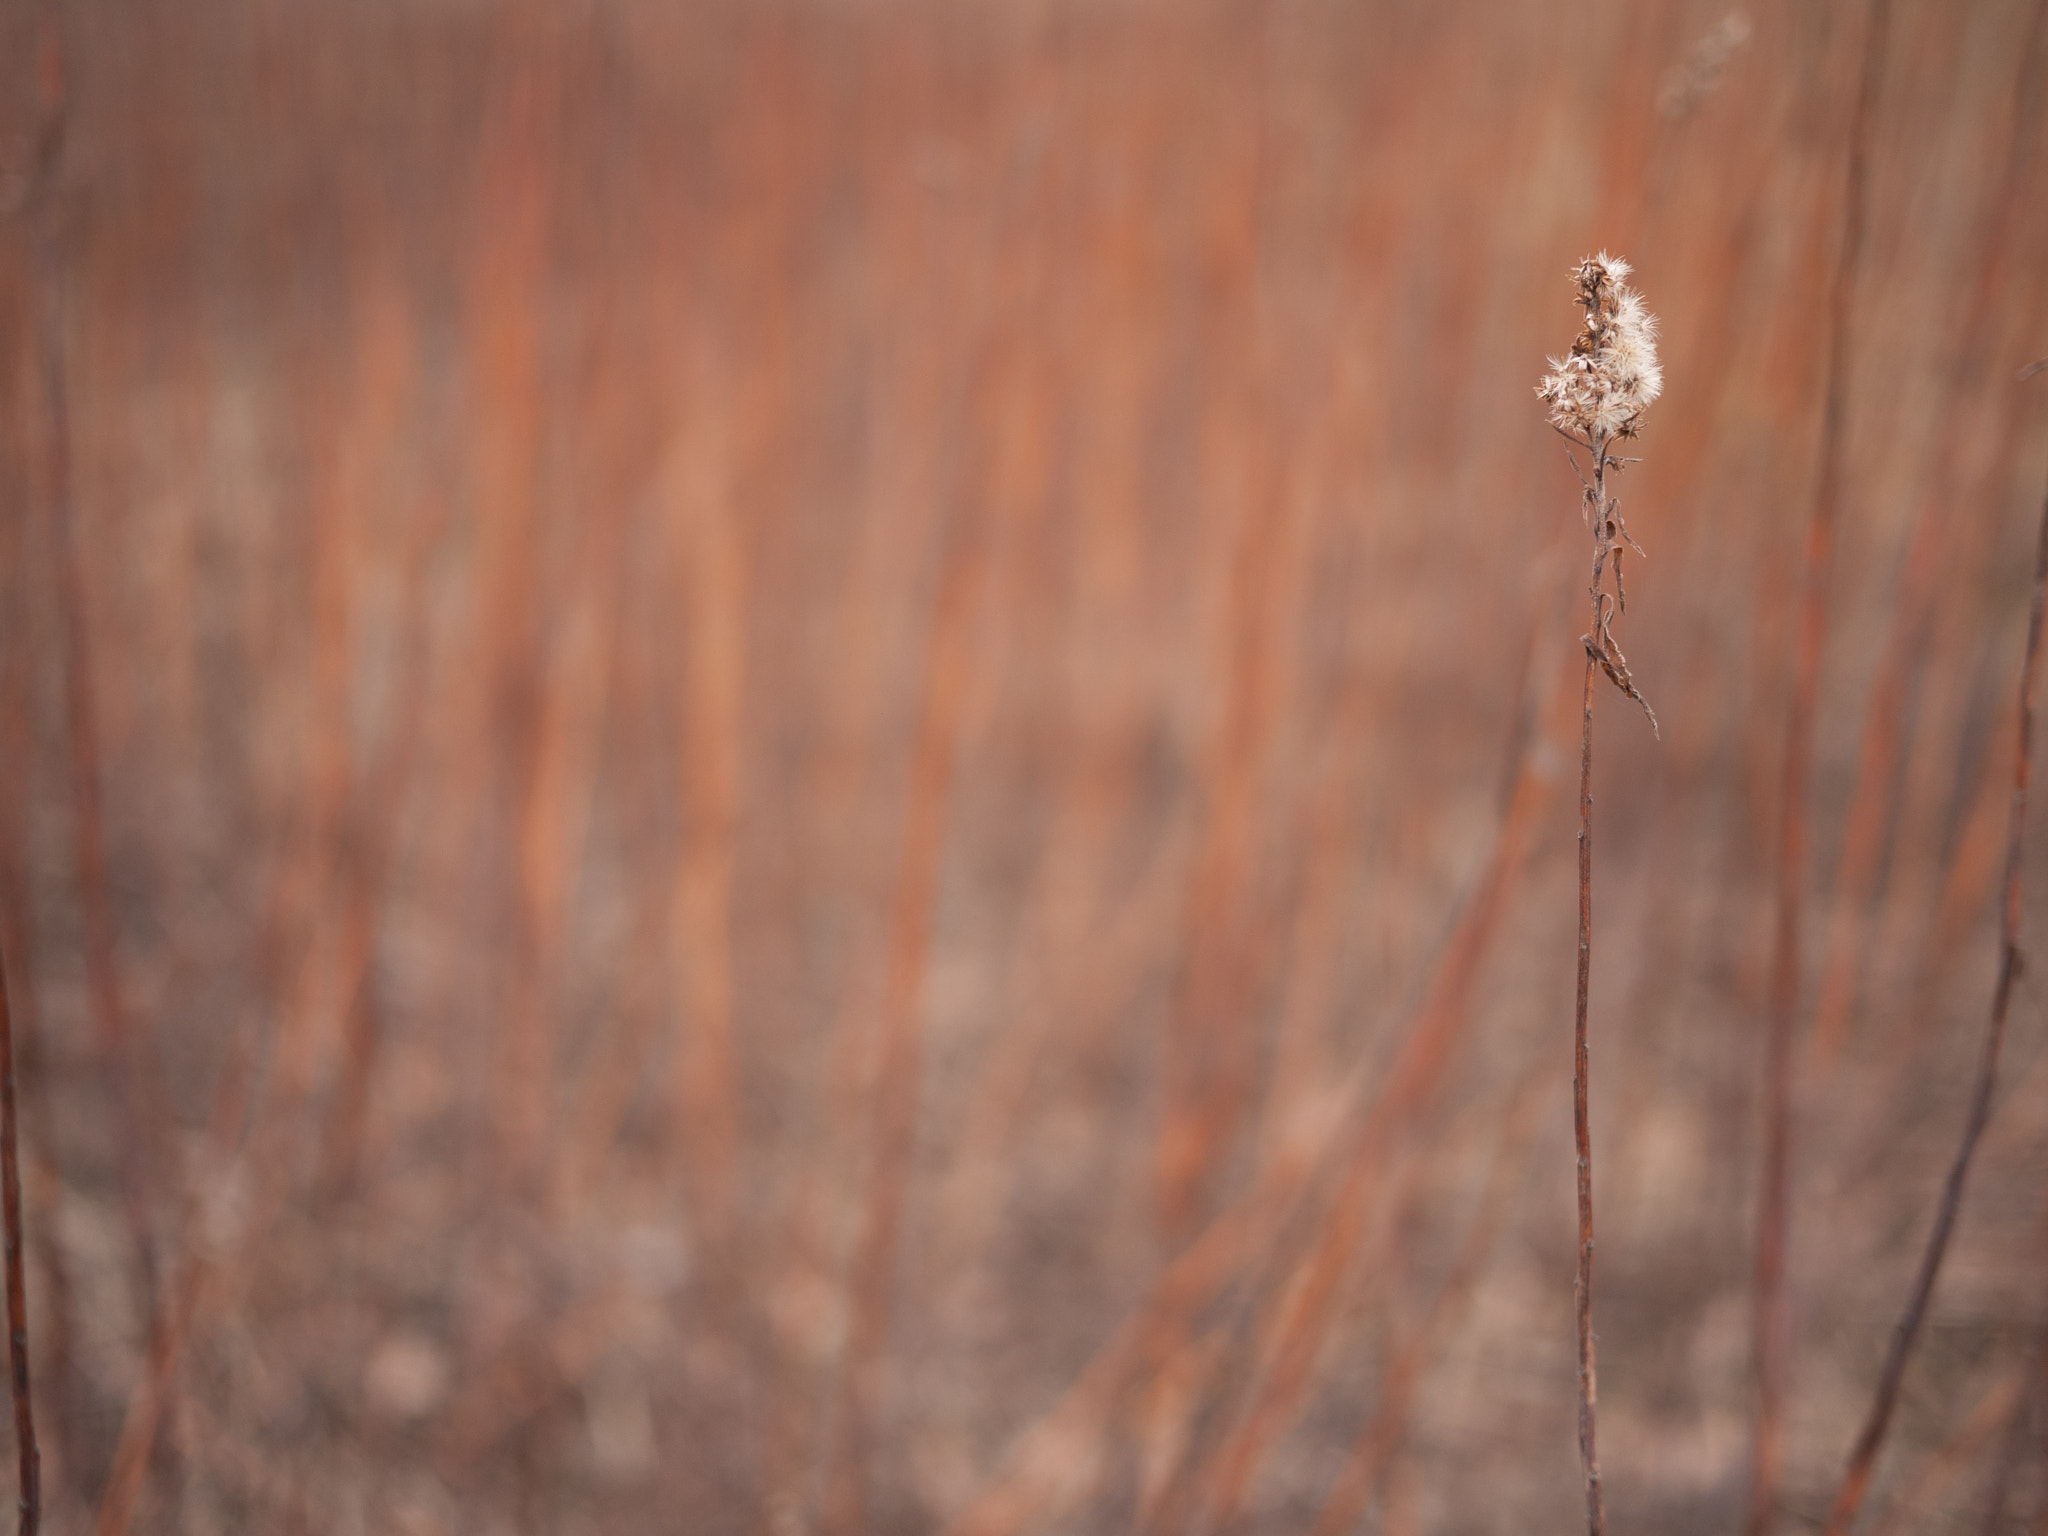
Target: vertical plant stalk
x=50 y=86
x=1863 y=1458
x=1597 y=393
x=31 y=1461
x=1582 y=1126
x=1771 y=1324
x=1601 y=655
x=1582 y=1130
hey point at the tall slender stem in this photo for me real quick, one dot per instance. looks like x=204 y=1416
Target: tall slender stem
x=1589 y=1389
x=31 y=1486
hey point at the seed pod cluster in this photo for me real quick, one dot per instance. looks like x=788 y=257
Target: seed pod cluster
x=1601 y=387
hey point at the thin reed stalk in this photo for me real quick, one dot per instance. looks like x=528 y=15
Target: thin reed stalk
x=30 y=1494
x=1582 y=1130
x=1856 y=1476
x=1597 y=394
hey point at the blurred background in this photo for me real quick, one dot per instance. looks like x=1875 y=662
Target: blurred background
x=794 y=766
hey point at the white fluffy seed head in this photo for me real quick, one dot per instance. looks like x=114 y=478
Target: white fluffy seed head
x=1601 y=387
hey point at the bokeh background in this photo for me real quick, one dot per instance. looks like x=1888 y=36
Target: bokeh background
x=795 y=766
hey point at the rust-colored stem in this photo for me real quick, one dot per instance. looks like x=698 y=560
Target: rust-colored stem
x=1582 y=1131
x=1863 y=1458
x=31 y=1491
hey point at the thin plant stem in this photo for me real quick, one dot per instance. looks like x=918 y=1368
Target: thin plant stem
x=30 y=1494
x=1863 y=1458
x=1597 y=393
x=1582 y=1131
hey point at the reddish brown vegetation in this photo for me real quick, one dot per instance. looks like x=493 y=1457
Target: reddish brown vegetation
x=804 y=766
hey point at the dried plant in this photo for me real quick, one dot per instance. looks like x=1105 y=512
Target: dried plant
x=29 y=1497
x=660 y=974
x=1602 y=386
x=1597 y=393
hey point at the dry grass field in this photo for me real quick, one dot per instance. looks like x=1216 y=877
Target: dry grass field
x=808 y=767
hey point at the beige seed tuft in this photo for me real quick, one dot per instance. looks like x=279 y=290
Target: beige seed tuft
x=1601 y=387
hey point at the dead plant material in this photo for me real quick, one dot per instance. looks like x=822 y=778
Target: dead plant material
x=1597 y=394
x=30 y=1496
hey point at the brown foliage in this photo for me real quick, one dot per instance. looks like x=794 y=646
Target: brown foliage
x=803 y=766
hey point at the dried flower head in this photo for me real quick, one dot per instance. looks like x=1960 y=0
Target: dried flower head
x=1600 y=388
